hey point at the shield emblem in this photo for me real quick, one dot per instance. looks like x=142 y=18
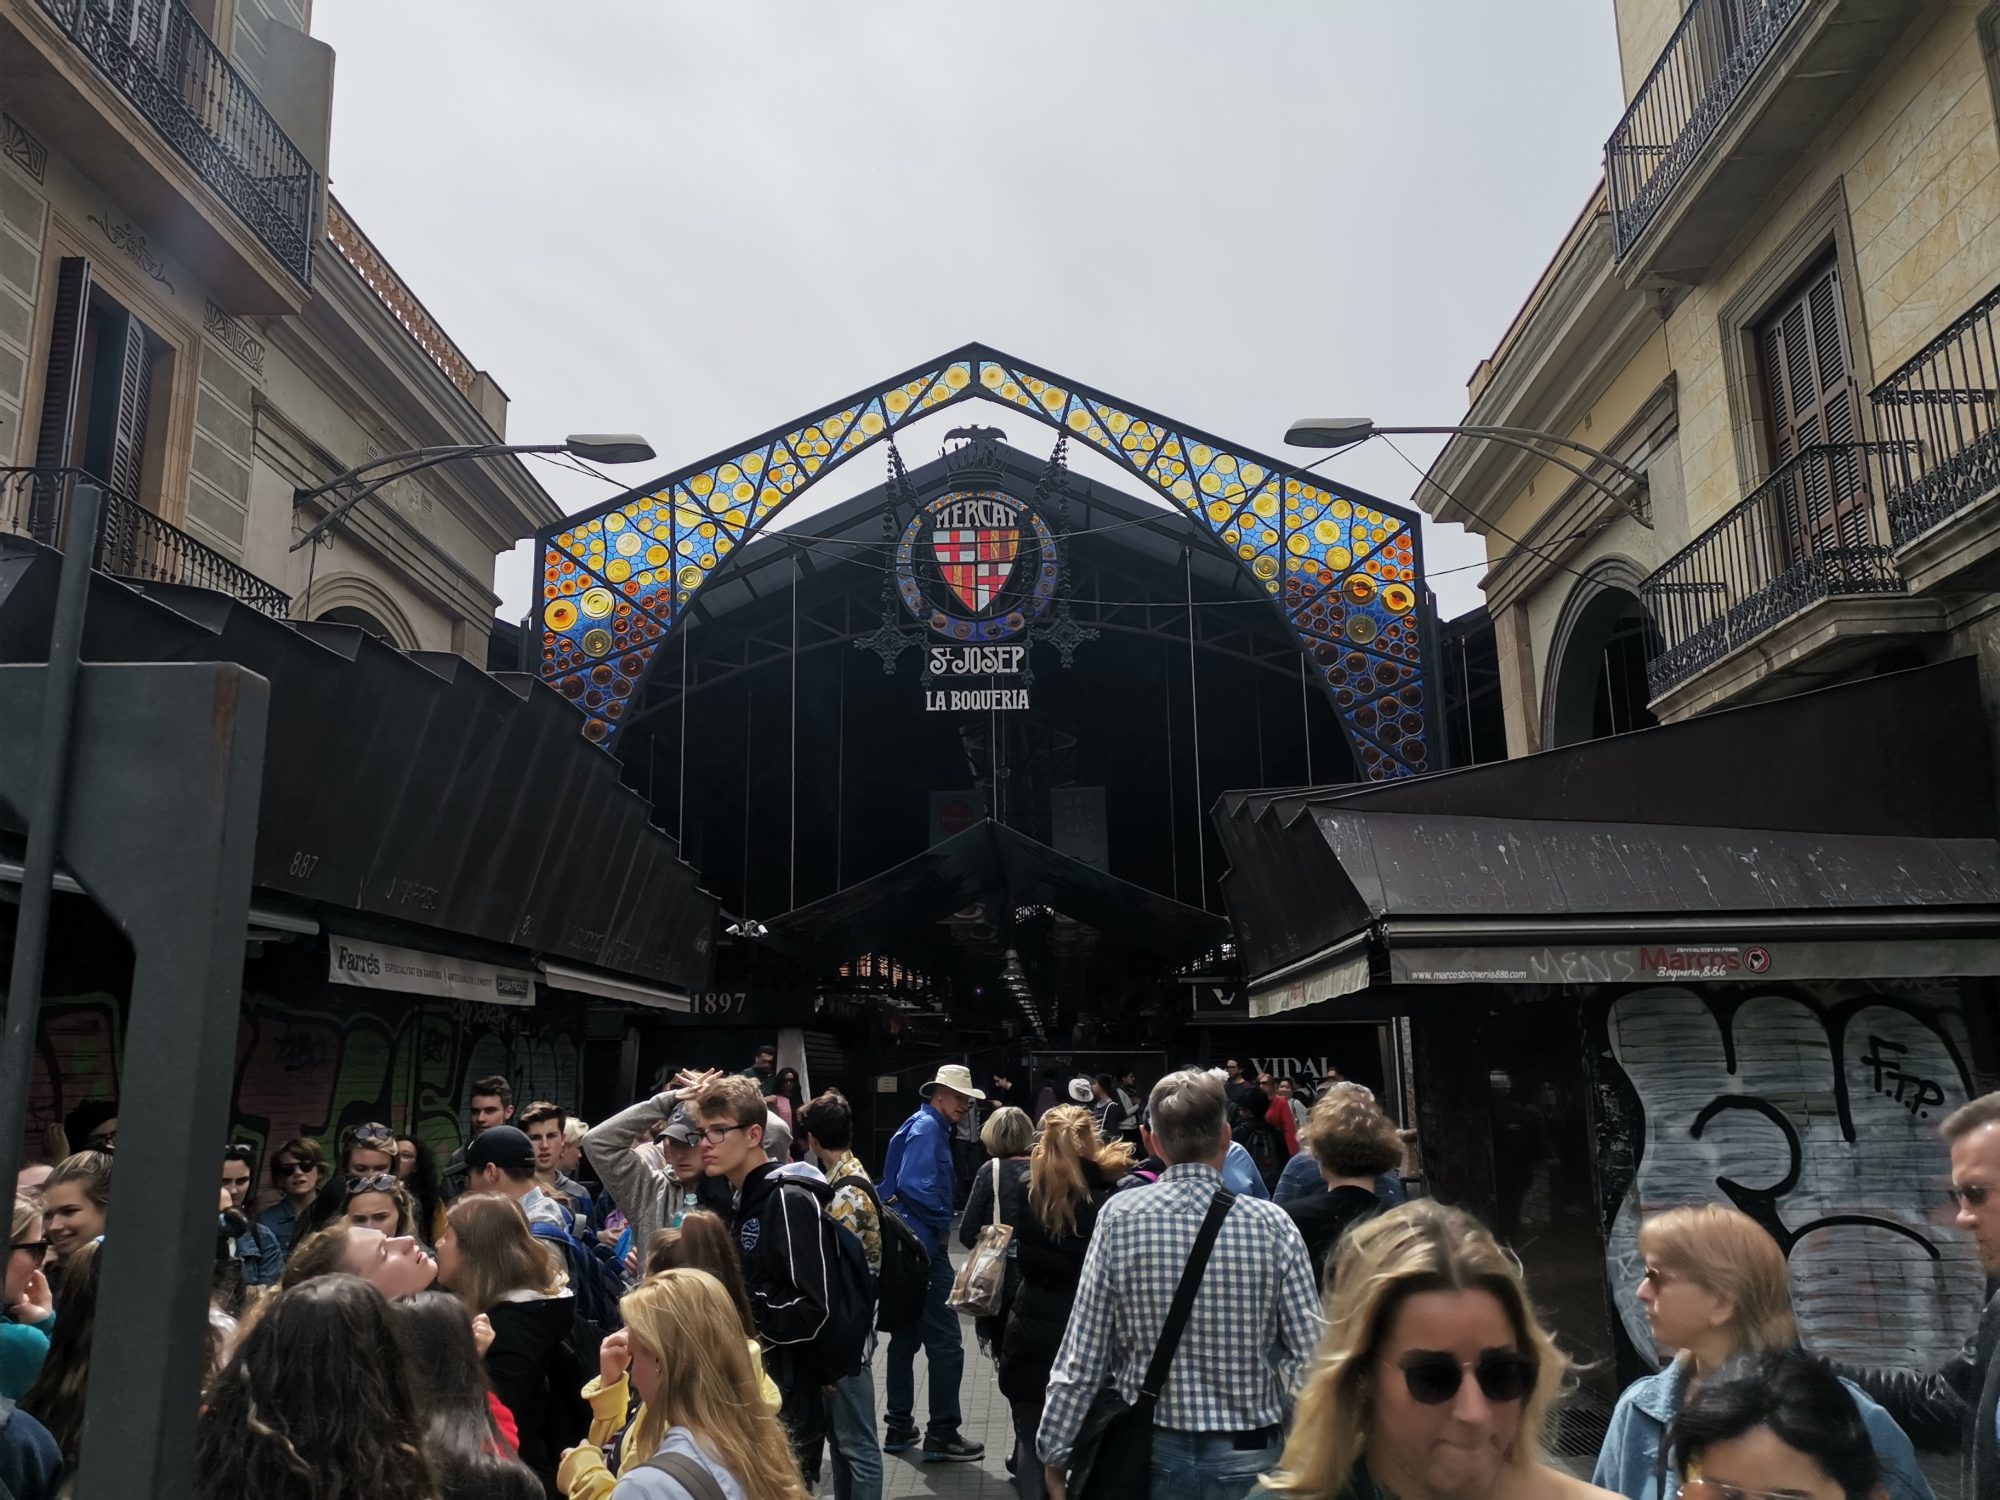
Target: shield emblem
x=976 y=563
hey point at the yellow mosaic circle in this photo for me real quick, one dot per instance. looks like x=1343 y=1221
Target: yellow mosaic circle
x=597 y=603
x=688 y=578
x=1298 y=544
x=1361 y=629
x=618 y=570
x=1338 y=558
x=1360 y=588
x=1266 y=566
x=597 y=642
x=957 y=377
x=614 y=522
x=1265 y=505
x=629 y=543
x=1326 y=533
x=560 y=615
x=1399 y=598
x=656 y=554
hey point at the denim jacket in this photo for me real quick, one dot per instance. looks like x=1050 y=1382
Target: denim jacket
x=1629 y=1462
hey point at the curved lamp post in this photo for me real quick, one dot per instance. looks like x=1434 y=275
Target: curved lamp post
x=597 y=447
x=1344 y=432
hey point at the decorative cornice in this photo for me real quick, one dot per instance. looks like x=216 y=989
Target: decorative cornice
x=390 y=290
x=22 y=149
x=233 y=336
x=133 y=243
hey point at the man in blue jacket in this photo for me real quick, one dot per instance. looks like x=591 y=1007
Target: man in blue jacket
x=917 y=1179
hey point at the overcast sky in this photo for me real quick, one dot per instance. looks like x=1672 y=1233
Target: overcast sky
x=700 y=221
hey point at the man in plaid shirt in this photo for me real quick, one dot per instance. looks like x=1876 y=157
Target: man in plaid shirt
x=1220 y=1419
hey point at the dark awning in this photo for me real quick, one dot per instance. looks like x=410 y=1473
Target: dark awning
x=1430 y=882
x=992 y=864
x=414 y=787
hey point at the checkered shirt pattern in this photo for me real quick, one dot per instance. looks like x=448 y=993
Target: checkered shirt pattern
x=1257 y=1295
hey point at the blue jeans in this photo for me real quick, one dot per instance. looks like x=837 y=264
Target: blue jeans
x=1201 y=1466
x=944 y=1351
x=850 y=1429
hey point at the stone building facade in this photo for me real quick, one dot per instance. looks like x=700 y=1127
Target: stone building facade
x=189 y=317
x=1782 y=306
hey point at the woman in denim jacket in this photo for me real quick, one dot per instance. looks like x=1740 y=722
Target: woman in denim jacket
x=1716 y=1286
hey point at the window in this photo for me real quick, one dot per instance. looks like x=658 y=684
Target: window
x=99 y=397
x=1812 y=403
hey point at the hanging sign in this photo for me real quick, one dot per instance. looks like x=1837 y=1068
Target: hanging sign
x=978 y=567
x=381 y=966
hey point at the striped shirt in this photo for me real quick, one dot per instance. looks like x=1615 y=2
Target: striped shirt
x=1257 y=1298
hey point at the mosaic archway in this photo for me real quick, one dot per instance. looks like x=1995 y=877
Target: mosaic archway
x=1346 y=572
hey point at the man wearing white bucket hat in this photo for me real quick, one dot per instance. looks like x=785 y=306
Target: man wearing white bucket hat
x=917 y=1179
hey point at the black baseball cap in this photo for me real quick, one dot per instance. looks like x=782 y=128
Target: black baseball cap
x=504 y=1147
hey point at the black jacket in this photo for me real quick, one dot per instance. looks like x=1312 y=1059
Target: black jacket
x=535 y=1375
x=978 y=1214
x=1952 y=1407
x=784 y=1262
x=1051 y=1267
x=1324 y=1217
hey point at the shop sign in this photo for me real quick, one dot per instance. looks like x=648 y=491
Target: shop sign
x=382 y=966
x=719 y=1003
x=1695 y=962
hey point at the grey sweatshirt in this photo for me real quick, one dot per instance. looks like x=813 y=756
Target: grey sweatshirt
x=640 y=1182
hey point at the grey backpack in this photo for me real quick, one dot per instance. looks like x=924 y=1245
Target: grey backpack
x=691 y=1475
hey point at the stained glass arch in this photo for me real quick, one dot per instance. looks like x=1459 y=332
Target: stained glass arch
x=1345 y=570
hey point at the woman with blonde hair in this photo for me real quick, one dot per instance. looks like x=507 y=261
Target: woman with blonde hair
x=1007 y=1136
x=1715 y=1287
x=1072 y=1171
x=488 y=1256
x=703 y=1415
x=1433 y=1380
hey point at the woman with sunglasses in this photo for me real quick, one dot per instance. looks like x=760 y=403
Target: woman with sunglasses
x=1716 y=1287
x=1433 y=1380
x=366 y=1150
x=31 y=1306
x=1775 y=1426
x=298 y=1169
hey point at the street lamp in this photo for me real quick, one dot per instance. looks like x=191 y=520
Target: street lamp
x=1344 y=432
x=597 y=447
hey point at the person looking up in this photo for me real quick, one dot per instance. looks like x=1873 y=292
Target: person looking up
x=473 y=1449
x=1220 y=1416
x=489 y=1102
x=490 y=1258
x=653 y=1185
x=298 y=1171
x=917 y=1178
x=31 y=1306
x=57 y=1395
x=396 y=1266
x=257 y=1248
x=1434 y=1381
x=1778 y=1423
x=1072 y=1171
x=1352 y=1143
x=543 y=1123
x=702 y=1412
x=1716 y=1286
x=826 y=1130
x=92 y=1126
x=417 y=1170
x=316 y=1403
x=76 y=1201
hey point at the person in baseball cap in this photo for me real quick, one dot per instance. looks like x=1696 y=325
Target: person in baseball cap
x=918 y=1178
x=501 y=1159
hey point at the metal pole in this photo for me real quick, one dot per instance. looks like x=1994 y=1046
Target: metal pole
x=1194 y=720
x=31 y=925
x=681 y=791
x=792 y=857
x=1305 y=717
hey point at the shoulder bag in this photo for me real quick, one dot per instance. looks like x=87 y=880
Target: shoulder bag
x=1112 y=1457
x=980 y=1289
x=691 y=1476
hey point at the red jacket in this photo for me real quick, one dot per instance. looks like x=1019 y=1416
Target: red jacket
x=1280 y=1115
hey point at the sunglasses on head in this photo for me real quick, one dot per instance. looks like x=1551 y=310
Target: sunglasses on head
x=372 y=1135
x=375 y=1182
x=237 y=1152
x=1434 y=1375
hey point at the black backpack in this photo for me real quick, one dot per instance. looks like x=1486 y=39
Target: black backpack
x=841 y=1345
x=905 y=1280
x=1266 y=1147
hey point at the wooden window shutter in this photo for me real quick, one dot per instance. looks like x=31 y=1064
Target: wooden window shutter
x=1814 y=401
x=134 y=386
x=61 y=385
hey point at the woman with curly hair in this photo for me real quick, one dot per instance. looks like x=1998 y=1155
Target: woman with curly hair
x=1433 y=1380
x=317 y=1403
x=1070 y=1173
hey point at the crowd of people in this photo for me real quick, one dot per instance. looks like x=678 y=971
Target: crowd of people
x=684 y=1302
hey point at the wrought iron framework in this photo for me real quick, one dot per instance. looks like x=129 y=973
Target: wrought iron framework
x=1702 y=71
x=1811 y=531
x=132 y=542
x=1345 y=571
x=158 y=56
x=1943 y=407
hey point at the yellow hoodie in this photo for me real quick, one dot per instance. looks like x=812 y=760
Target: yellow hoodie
x=584 y=1474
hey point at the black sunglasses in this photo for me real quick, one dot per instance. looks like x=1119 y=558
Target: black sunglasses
x=287 y=1168
x=1434 y=1376
x=377 y=1182
x=1973 y=1193
x=37 y=1248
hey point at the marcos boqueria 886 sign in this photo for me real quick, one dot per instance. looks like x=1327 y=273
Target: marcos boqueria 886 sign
x=977 y=567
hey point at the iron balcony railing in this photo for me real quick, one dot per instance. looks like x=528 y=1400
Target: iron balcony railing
x=1812 y=531
x=1943 y=406
x=160 y=59
x=132 y=542
x=1703 y=70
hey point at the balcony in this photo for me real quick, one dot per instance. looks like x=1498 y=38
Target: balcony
x=1943 y=408
x=1739 y=91
x=147 y=104
x=132 y=542
x=1811 y=533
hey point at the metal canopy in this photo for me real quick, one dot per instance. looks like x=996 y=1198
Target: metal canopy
x=993 y=864
x=415 y=787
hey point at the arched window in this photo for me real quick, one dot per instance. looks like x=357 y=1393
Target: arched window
x=347 y=614
x=1597 y=661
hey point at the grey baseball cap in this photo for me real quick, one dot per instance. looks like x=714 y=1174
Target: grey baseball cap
x=682 y=1127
